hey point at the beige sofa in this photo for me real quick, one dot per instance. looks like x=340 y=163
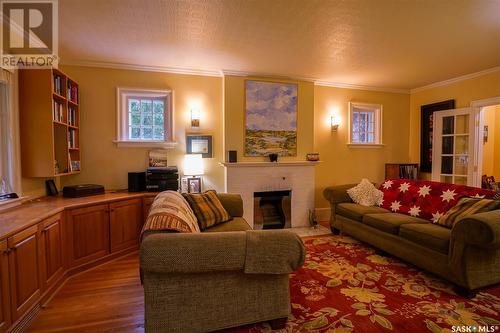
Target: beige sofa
x=224 y=277
x=468 y=254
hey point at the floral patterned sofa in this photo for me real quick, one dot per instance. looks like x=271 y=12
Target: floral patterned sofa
x=404 y=225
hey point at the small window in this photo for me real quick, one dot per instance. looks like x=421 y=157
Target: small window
x=365 y=124
x=144 y=117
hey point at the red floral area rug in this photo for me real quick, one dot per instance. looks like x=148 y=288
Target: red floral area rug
x=345 y=286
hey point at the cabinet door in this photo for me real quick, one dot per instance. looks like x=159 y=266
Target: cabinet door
x=88 y=230
x=52 y=267
x=126 y=222
x=24 y=270
x=4 y=288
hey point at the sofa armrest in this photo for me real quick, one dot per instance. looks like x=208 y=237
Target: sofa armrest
x=338 y=194
x=273 y=252
x=481 y=229
x=232 y=203
x=253 y=251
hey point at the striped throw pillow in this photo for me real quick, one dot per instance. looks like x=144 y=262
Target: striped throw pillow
x=466 y=207
x=497 y=196
x=207 y=208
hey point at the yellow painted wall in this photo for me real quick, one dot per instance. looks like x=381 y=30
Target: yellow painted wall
x=102 y=161
x=234 y=117
x=489 y=147
x=341 y=164
x=463 y=92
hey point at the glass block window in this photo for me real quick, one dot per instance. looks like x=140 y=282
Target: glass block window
x=145 y=116
x=146 y=119
x=365 y=123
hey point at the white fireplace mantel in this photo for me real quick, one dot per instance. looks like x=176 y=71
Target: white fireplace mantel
x=268 y=164
x=247 y=178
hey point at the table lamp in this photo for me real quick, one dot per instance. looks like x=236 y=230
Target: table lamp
x=193 y=168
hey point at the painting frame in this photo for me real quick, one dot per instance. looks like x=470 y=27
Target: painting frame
x=285 y=133
x=195 y=141
x=426 y=126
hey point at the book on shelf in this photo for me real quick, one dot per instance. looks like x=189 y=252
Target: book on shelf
x=72 y=116
x=72 y=92
x=57 y=84
x=408 y=171
x=58 y=111
x=72 y=138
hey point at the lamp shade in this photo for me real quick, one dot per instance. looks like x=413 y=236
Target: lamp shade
x=193 y=165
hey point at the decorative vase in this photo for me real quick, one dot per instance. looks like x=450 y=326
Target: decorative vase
x=273 y=157
x=312 y=157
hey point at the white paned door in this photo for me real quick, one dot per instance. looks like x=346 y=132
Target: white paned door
x=453 y=147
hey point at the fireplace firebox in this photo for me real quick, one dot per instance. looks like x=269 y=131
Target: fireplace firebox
x=272 y=209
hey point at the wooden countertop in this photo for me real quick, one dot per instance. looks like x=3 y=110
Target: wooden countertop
x=34 y=211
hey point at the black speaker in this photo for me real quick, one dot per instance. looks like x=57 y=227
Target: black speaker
x=232 y=156
x=136 y=181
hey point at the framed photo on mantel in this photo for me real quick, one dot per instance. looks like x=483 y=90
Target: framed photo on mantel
x=426 y=127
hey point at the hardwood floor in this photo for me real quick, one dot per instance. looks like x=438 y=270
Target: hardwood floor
x=108 y=298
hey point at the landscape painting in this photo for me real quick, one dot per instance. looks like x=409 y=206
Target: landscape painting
x=271 y=118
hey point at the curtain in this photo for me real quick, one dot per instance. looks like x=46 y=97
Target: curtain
x=10 y=171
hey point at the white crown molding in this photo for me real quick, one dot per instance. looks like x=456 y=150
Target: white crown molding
x=226 y=72
x=160 y=69
x=456 y=79
x=360 y=87
x=221 y=73
x=315 y=81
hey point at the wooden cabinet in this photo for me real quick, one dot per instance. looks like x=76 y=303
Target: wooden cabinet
x=125 y=223
x=88 y=234
x=5 y=319
x=24 y=270
x=52 y=250
x=146 y=205
x=401 y=170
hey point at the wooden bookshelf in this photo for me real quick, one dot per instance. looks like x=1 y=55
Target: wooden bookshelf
x=401 y=170
x=49 y=122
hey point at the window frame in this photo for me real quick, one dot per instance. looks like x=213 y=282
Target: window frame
x=122 y=127
x=376 y=109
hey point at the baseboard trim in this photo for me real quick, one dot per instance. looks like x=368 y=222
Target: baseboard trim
x=322 y=214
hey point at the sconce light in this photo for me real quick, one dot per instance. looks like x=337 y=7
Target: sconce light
x=334 y=123
x=195 y=118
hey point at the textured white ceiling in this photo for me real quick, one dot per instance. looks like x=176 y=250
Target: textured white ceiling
x=382 y=43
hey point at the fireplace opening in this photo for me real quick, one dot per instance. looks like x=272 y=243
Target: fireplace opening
x=272 y=209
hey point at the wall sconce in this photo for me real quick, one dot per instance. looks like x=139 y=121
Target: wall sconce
x=334 y=123
x=195 y=118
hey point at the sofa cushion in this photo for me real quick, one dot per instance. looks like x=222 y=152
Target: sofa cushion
x=356 y=212
x=429 y=235
x=390 y=222
x=466 y=207
x=236 y=224
x=207 y=208
x=366 y=194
